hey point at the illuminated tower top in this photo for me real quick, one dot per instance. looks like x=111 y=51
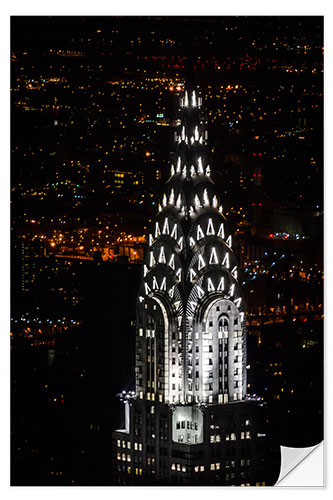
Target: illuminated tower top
x=191 y=339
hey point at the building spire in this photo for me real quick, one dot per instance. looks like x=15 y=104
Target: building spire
x=190 y=281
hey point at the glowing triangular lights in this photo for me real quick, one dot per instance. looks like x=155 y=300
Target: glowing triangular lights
x=201 y=262
x=192 y=275
x=238 y=301
x=225 y=261
x=213 y=257
x=172 y=261
x=210 y=286
x=210 y=228
x=165 y=229
x=178 y=165
x=163 y=284
x=220 y=286
x=234 y=272
x=155 y=284
x=200 y=167
x=220 y=232
x=161 y=258
x=152 y=260
x=205 y=197
x=200 y=233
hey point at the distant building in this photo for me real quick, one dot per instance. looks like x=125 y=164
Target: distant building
x=188 y=420
x=32 y=257
x=125 y=181
x=271 y=219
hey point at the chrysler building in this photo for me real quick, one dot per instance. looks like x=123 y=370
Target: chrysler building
x=188 y=419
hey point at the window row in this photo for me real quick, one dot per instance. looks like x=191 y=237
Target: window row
x=123 y=444
x=186 y=424
x=123 y=457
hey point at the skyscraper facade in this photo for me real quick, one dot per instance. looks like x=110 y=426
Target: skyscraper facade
x=189 y=421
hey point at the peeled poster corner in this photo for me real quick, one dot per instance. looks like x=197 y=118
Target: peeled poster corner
x=302 y=466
